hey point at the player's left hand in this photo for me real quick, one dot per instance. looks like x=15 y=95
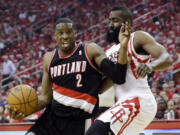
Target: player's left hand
x=124 y=34
x=143 y=69
x=14 y=114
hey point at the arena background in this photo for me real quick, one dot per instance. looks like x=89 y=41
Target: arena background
x=26 y=33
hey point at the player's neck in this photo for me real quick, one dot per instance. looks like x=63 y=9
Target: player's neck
x=66 y=52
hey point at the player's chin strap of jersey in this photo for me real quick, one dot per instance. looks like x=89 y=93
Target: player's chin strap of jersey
x=116 y=72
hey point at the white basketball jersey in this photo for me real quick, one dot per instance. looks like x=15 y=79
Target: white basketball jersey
x=133 y=86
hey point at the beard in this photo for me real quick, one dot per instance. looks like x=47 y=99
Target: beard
x=113 y=36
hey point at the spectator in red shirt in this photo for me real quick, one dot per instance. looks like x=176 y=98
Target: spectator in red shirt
x=172 y=86
x=154 y=91
x=164 y=95
x=169 y=92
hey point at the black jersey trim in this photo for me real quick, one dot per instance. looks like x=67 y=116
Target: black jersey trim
x=89 y=60
x=52 y=56
x=70 y=54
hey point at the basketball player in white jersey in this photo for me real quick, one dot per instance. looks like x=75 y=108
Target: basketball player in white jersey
x=135 y=107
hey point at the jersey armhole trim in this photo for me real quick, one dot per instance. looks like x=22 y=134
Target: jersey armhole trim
x=134 y=52
x=90 y=61
x=132 y=64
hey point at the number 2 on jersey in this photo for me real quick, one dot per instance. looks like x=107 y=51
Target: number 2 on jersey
x=78 y=78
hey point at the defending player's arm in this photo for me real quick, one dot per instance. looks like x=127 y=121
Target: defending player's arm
x=116 y=72
x=157 y=51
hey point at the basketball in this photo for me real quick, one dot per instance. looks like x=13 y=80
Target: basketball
x=23 y=98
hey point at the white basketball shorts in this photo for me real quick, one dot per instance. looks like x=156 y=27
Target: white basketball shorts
x=131 y=115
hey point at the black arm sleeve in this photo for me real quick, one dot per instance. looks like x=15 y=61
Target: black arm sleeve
x=116 y=72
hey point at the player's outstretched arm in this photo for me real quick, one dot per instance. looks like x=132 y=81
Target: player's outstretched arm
x=116 y=72
x=124 y=36
x=46 y=93
x=161 y=57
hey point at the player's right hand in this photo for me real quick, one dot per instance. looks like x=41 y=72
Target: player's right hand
x=14 y=114
x=124 y=34
x=143 y=69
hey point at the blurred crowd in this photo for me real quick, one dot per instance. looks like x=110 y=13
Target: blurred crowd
x=26 y=33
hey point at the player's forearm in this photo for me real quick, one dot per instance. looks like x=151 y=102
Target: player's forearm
x=42 y=103
x=106 y=84
x=116 y=72
x=163 y=62
x=122 y=56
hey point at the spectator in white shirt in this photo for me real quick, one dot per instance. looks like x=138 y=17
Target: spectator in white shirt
x=8 y=70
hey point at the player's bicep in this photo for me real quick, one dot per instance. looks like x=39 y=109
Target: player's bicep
x=96 y=53
x=154 y=49
x=149 y=44
x=46 y=84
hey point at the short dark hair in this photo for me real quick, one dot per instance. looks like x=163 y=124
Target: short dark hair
x=125 y=12
x=63 y=20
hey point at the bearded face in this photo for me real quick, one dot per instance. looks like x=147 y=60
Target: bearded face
x=112 y=34
x=116 y=19
x=114 y=25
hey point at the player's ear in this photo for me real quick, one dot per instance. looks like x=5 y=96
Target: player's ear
x=75 y=33
x=55 y=35
x=129 y=22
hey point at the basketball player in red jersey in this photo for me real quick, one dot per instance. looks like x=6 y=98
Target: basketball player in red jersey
x=135 y=107
x=71 y=81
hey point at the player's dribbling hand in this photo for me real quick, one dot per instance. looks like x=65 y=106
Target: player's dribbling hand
x=124 y=34
x=143 y=69
x=14 y=114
